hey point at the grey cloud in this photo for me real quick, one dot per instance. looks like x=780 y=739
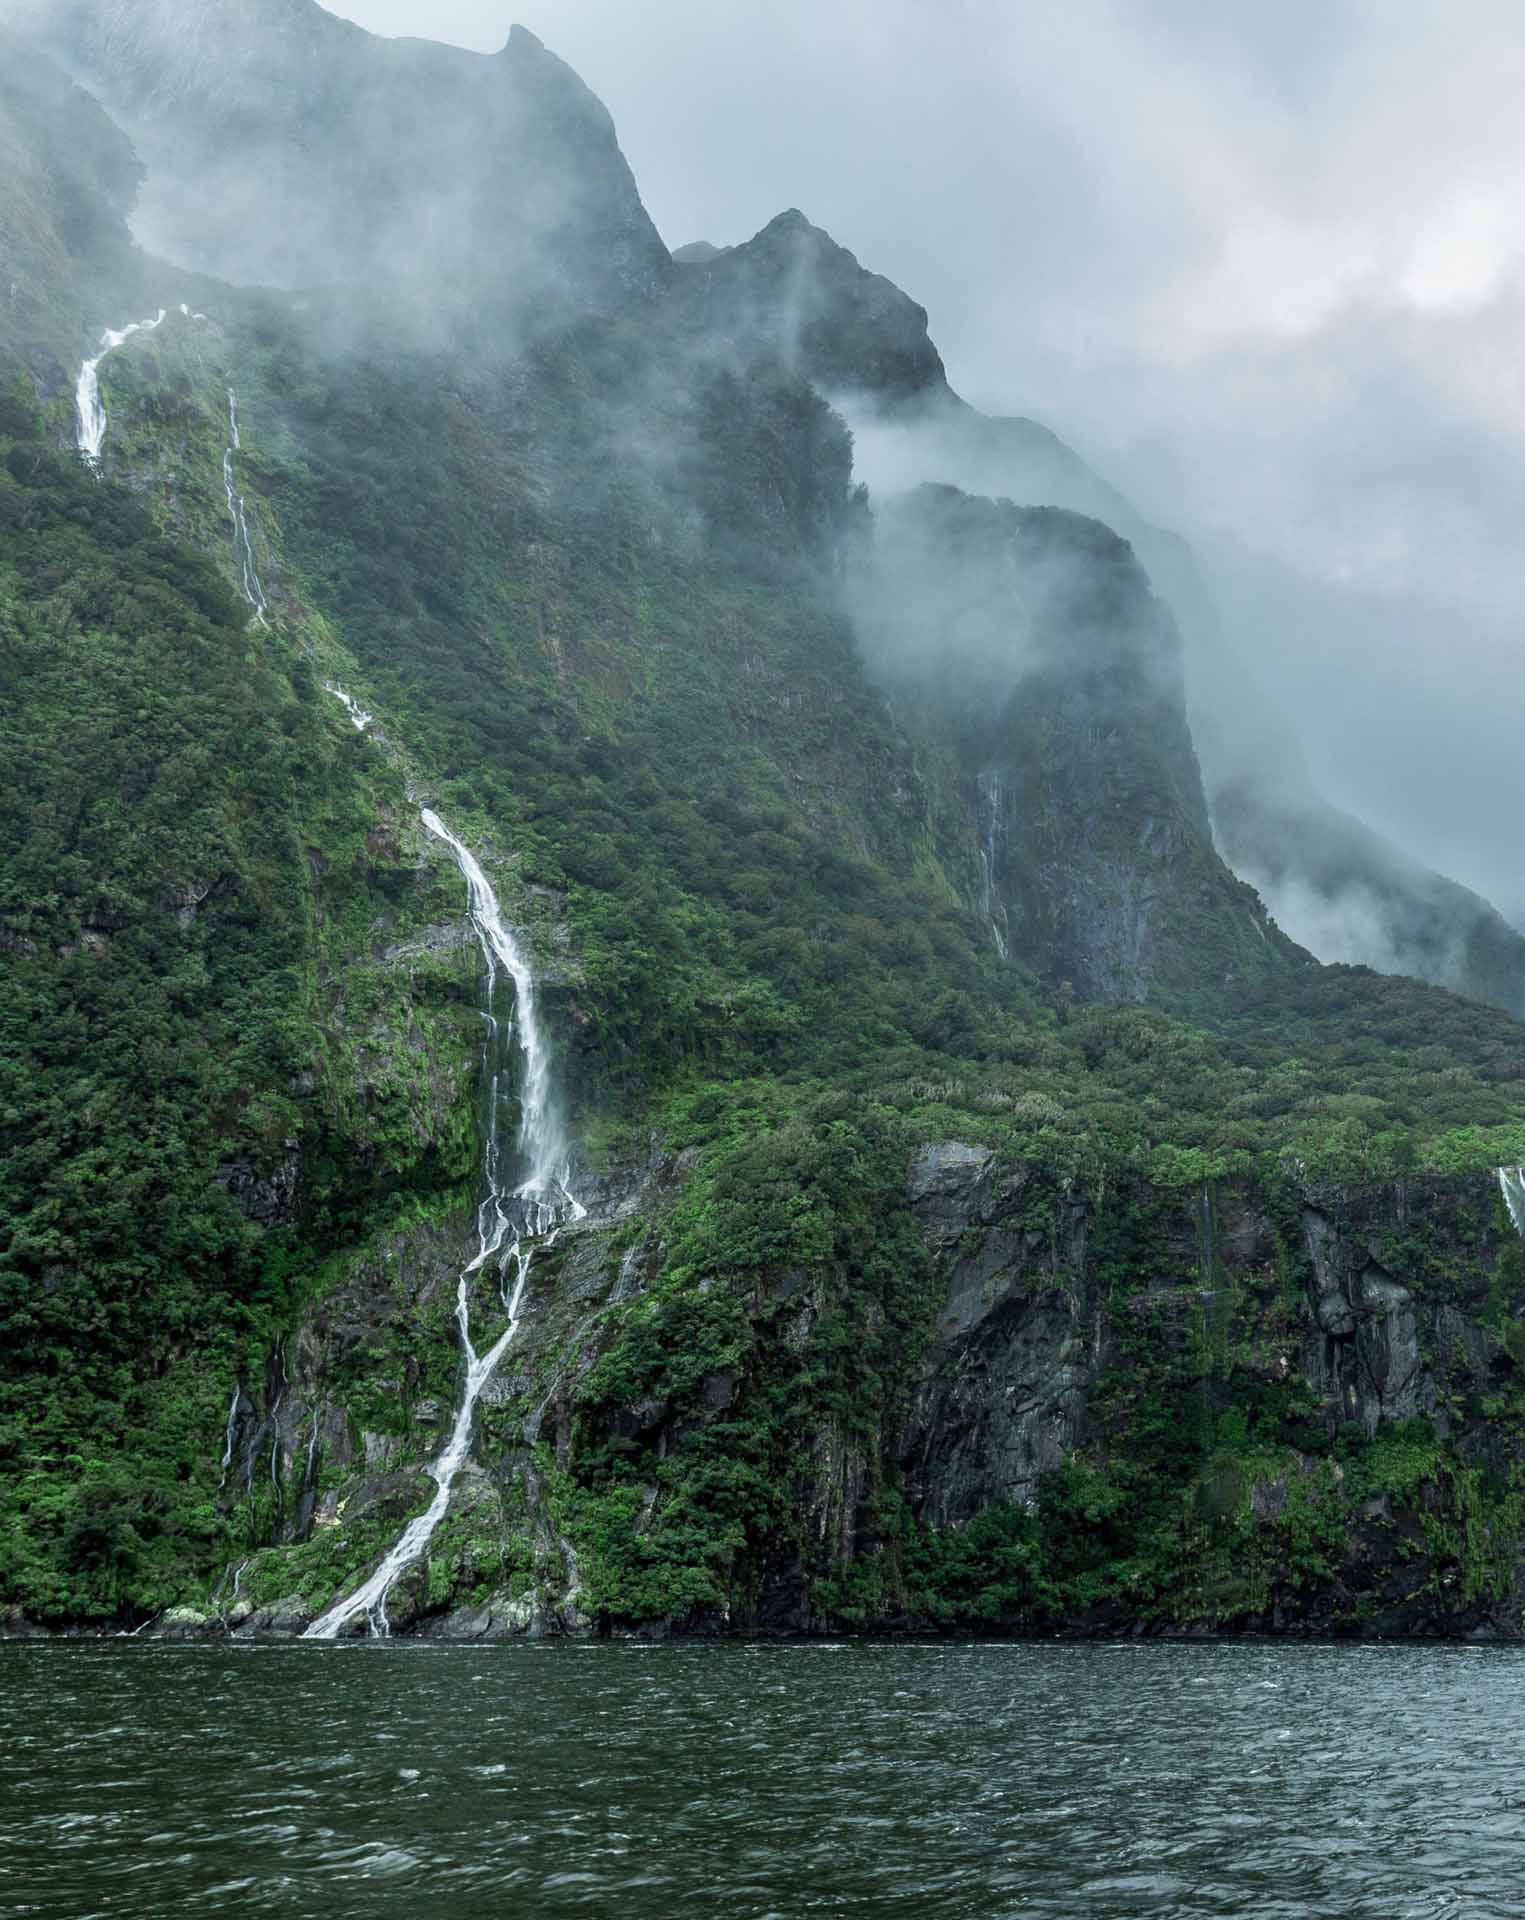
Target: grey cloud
x=1261 y=267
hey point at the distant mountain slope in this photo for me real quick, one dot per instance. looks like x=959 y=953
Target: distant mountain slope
x=68 y=178
x=285 y=146
x=1356 y=897
x=1029 y=639
x=1349 y=892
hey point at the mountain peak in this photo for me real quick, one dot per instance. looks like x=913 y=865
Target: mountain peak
x=792 y=289
x=354 y=159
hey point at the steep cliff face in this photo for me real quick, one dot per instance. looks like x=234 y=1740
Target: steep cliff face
x=1030 y=638
x=285 y=147
x=1295 y=1421
x=1345 y=890
x=791 y=290
x=1233 y=1405
x=911 y=1288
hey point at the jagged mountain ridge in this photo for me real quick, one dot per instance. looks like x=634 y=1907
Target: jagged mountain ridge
x=889 y=1308
x=791 y=290
x=285 y=146
x=866 y=343
x=679 y=356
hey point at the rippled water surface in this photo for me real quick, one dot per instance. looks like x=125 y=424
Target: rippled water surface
x=636 y=1781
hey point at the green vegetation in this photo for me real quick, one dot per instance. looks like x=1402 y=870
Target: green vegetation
x=771 y=1355
x=172 y=785
x=596 y=598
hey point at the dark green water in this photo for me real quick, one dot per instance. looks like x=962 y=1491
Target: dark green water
x=653 y=1782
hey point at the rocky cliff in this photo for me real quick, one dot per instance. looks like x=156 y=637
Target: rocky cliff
x=989 y=1220
x=1282 y=1418
x=1317 y=1310
x=866 y=344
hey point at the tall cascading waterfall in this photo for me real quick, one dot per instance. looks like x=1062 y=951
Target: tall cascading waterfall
x=1512 y=1186
x=89 y=408
x=508 y=1217
x=243 y=547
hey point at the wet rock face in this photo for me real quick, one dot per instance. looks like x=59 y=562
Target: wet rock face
x=1028 y=641
x=338 y=1430
x=265 y=1195
x=1363 y=1353
x=1364 y=1295
x=1003 y=1395
x=1058 y=1306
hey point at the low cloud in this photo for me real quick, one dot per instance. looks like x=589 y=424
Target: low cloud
x=1263 y=268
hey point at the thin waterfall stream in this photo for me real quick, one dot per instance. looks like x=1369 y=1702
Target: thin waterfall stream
x=90 y=424
x=243 y=546
x=990 y=830
x=1512 y=1186
x=227 y=1448
x=509 y=1218
x=89 y=409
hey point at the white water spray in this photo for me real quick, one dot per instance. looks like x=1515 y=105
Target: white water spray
x=540 y=1205
x=623 y=1286
x=89 y=408
x=360 y=718
x=1512 y=1186
x=243 y=546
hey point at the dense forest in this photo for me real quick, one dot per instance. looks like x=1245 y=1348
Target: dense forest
x=993 y=1219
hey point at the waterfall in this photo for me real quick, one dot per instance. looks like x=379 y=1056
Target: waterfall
x=275 y=1428
x=359 y=718
x=1208 y=1256
x=988 y=785
x=507 y=1218
x=1512 y=1186
x=90 y=437
x=227 y=1449
x=626 y=1274
x=243 y=547
x=89 y=409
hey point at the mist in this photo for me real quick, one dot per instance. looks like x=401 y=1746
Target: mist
x=1261 y=269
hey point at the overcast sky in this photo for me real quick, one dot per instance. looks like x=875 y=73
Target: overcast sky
x=1263 y=265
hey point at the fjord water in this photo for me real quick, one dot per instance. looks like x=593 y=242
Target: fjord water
x=385 y=1778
